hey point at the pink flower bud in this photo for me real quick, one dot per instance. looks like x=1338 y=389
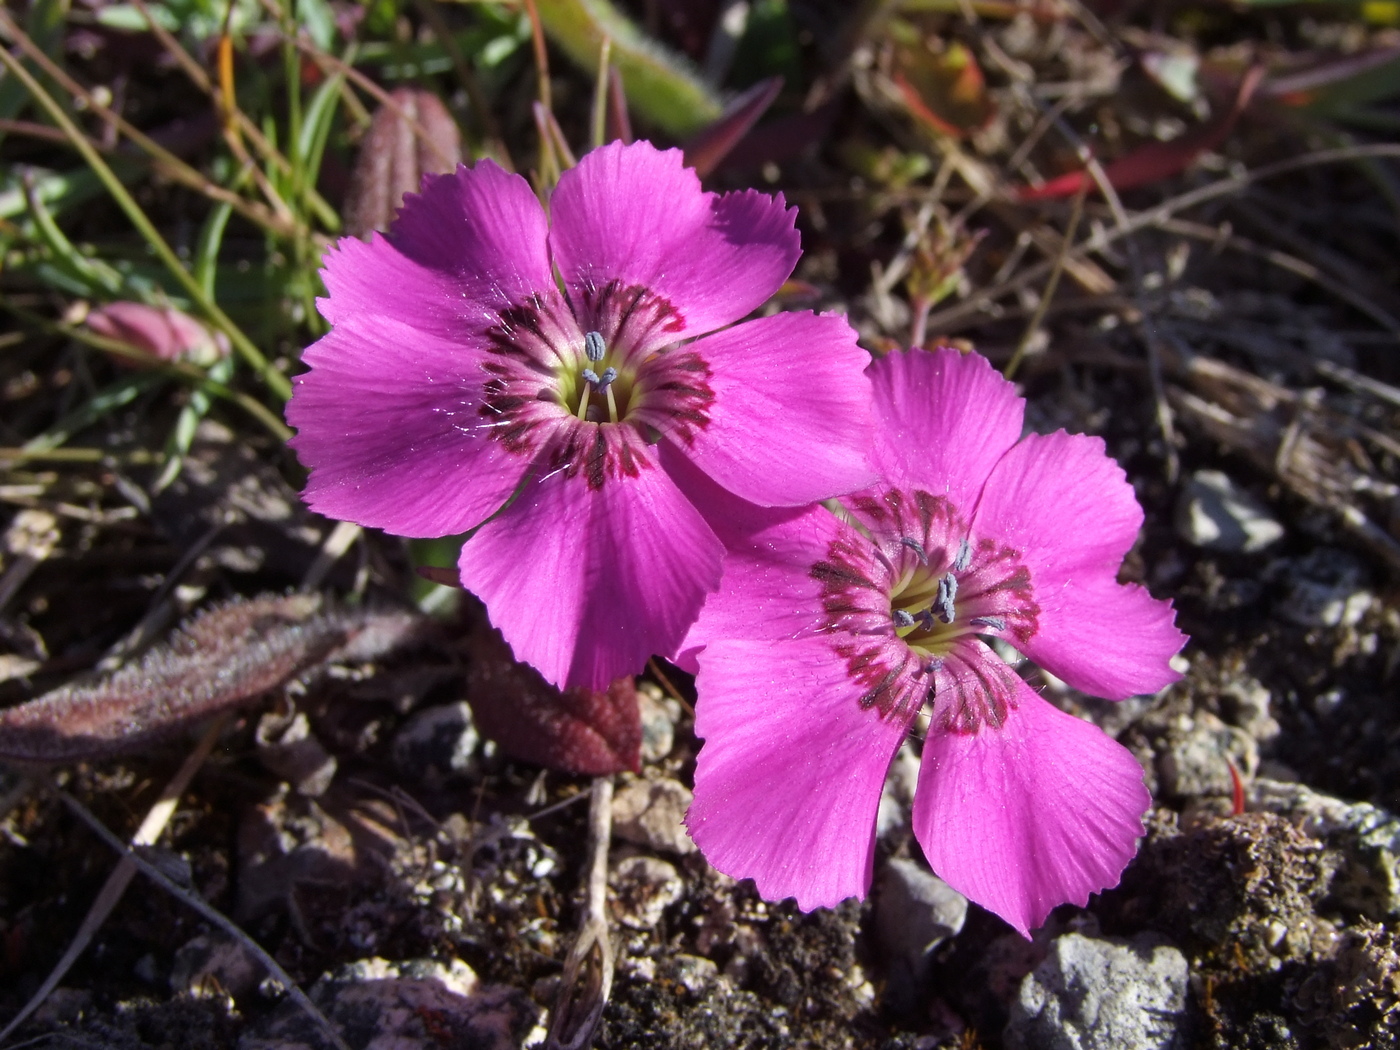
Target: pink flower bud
x=161 y=331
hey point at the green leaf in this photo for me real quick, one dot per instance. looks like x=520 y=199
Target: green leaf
x=317 y=18
x=104 y=402
x=662 y=86
x=90 y=271
x=211 y=238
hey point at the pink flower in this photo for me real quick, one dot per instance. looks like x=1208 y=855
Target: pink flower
x=829 y=635
x=580 y=361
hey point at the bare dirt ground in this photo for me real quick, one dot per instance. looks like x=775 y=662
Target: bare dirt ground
x=1223 y=307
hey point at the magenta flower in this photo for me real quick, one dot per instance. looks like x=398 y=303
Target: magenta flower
x=480 y=350
x=829 y=635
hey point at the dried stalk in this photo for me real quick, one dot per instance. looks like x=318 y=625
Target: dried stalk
x=588 y=971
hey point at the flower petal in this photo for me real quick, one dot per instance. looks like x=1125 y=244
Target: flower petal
x=791 y=421
x=789 y=779
x=470 y=244
x=586 y=583
x=390 y=427
x=1063 y=503
x=1106 y=638
x=767 y=590
x=1042 y=811
x=634 y=213
x=942 y=421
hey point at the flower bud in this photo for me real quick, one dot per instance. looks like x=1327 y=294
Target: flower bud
x=395 y=156
x=161 y=331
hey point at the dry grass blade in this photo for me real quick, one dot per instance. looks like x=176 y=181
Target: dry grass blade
x=146 y=835
x=211 y=914
x=166 y=162
x=1285 y=434
x=957 y=316
x=225 y=657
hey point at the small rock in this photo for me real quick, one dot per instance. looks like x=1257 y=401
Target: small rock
x=695 y=973
x=63 y=1006
x=1194 y=760
x=379 y=1005
x=897 y=799
x=915 y=910
x=438 y=743
x=1102 y=994
x=643 y=888
x=659 y=715
x=1326 y=588
x=292 y=842
x=1247 y=701
x=1325 y=704
x=1213 y=512
x=651 y=813
x=211 y=965
x=287 y=747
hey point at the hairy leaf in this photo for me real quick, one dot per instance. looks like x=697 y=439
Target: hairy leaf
x=224 y=657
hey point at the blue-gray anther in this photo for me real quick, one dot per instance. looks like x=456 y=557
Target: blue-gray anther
x=964 y=556
x=903 y=619
x=593 y=346
x=947 y=591
x=591 y=376
x=995 y=623
x=917 y=547
x=926 y=620
x=933 y=665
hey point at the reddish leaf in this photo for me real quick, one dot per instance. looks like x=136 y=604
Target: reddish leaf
x=943 y=88
x=1156 y=160
x=708 y=147
x=579 y=731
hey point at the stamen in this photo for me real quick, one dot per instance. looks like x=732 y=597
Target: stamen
x=995 y=623
x=933 y=665
x=964 y=556
x=947 y=591
x=593 y=347
x=591 y=376
x=917 y=547
x=903 y=619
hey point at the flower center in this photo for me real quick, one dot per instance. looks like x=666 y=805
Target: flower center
x=590 y=381
x=914 y=591
x=599 y=393
x=932 y=609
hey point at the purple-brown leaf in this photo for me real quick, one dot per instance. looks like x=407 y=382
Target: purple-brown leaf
x=578 y=731
x=413 y=137
x=709 y=146
x=226 y=656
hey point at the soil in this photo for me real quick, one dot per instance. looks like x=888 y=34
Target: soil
x=1198 y=355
